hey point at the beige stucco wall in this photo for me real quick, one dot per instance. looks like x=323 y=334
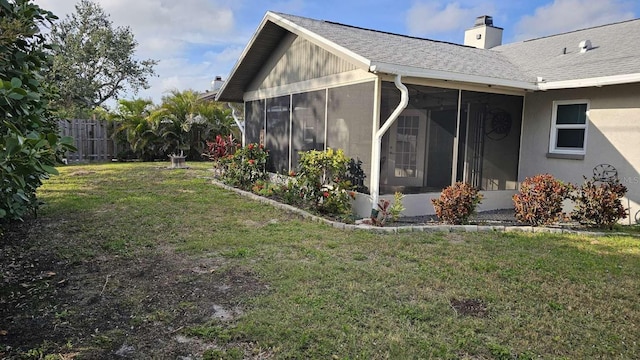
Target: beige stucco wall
x=420 y=204
x=613 y=137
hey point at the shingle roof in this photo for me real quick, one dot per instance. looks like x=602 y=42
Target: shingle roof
x=401 y=50
x=615 y=51
x=518 y=64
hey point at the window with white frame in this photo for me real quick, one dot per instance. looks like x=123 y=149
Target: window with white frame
x=569 y=122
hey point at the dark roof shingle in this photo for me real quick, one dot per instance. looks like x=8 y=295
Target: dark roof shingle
x=378 y=46
x=615 y=51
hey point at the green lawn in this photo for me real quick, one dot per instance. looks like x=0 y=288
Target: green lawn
x=352 y=294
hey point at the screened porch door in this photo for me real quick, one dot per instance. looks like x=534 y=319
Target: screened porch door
x=406 y=152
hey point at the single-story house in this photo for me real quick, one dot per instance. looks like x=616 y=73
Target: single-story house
x=422 y=114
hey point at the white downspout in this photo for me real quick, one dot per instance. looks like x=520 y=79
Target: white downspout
x=238 y=122
x=377 y=143
x=456 y=142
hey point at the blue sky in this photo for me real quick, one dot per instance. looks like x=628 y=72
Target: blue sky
x=195 y=40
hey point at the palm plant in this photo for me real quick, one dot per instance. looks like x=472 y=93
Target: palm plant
x=185 y=122
x=215 y=119
x=173 y=119
x=132 y=121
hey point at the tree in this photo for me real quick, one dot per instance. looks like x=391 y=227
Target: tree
x=29 y=143
x=93 y=61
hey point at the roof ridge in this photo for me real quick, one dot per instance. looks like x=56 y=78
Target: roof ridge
x=578 y=30
x=395 y=34
x=377 y=31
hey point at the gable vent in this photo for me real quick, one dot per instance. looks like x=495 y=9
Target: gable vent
x=585 y=45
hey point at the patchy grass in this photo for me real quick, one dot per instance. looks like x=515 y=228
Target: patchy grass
x=289 y=288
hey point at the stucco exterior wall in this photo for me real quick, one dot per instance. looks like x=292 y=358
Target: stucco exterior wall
x=613 y=137
x=420 y=204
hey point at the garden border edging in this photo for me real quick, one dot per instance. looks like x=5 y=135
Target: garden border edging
x=405 y=229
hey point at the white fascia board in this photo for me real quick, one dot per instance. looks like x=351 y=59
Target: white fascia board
x=319 y=40
x=407 y=71
x=590 y=82
x=340 y=79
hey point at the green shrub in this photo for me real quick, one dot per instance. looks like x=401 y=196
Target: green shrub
x=264 y=188
x=29 y=143
x=539 y=201
x=322 y=180
x=457 y=203
x=336 y=200
x=396 y=209
x=356 y=176
x=289 y=192
x=387 y=211
x=599 y=203
x=244 y=168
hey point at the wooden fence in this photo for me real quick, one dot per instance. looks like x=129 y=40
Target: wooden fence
x=91 y=139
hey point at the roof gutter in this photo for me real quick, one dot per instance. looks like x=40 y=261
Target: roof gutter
x=408 y=71
x=590 y=82
x=377 y=143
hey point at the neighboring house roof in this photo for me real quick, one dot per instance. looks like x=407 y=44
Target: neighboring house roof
x=517 y=65
x=615 y=56
x=209 y=95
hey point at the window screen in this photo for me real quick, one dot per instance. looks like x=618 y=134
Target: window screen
x=277 y=134
x=569 y=127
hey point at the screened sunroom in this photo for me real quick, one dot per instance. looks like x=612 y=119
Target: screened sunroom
x=449 y=135
x=312 y=84
x=443 y=135
x=338 y=117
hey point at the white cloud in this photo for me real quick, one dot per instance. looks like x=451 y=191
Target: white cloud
x=425 y=18
x=567 y=15
x=176 y=18
x=59 y=8
x=227 y=55
x=167 y=27
x=183 y=73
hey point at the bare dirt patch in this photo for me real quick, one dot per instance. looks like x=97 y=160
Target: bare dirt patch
x=469 y=307
x=110 y=306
